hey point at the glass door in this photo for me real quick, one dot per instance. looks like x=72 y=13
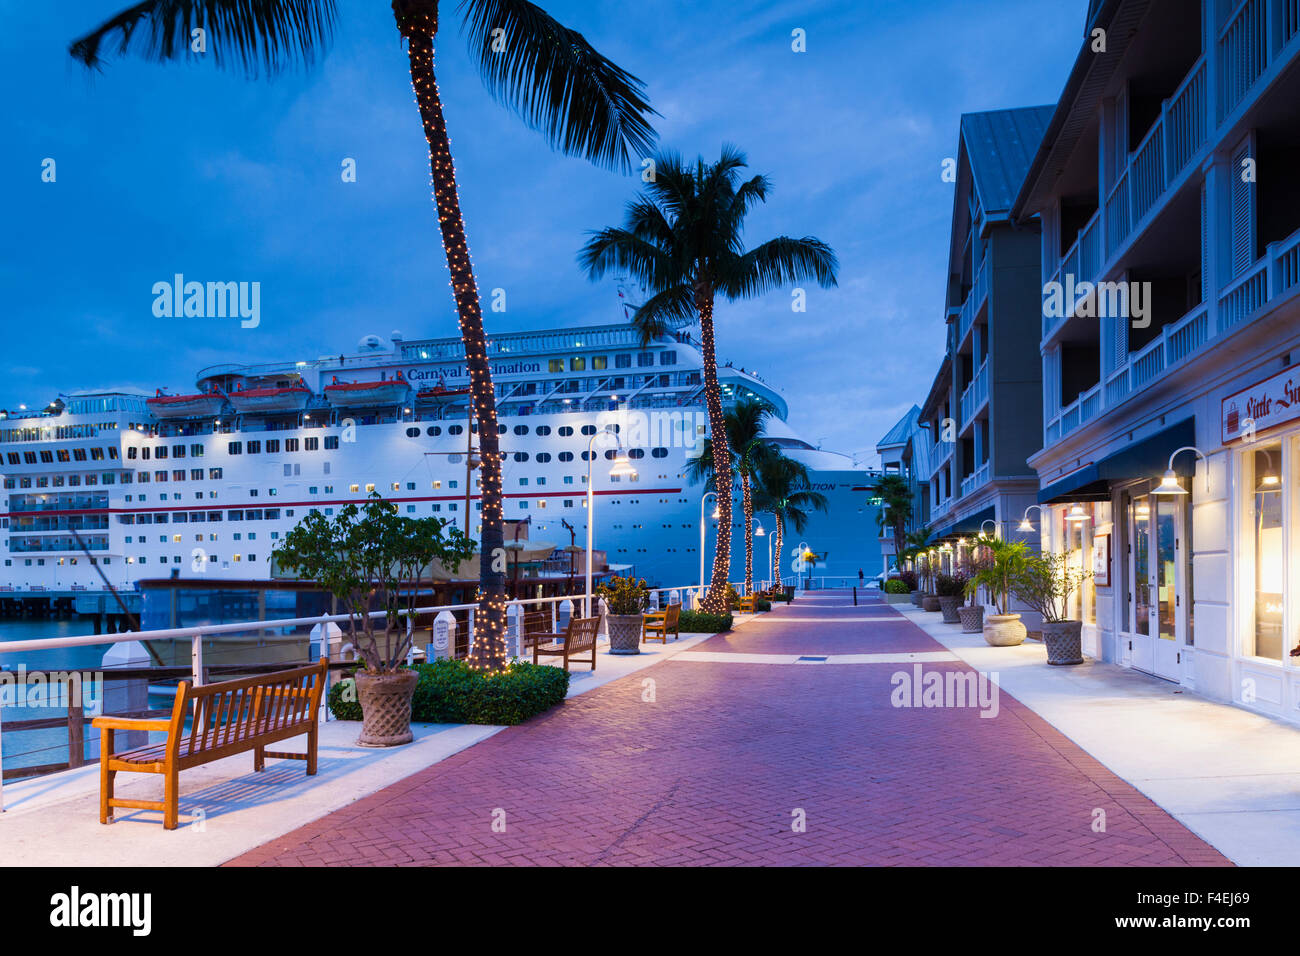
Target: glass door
x=1158 y=580
x=1165 y=587
x=1142 y=653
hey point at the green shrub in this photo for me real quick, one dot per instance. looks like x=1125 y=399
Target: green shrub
x=343 y=700
x=450 y=692
x=895 y=586
x=950 y=585
x=786 y=595
x=698 y=622
x=761 y=605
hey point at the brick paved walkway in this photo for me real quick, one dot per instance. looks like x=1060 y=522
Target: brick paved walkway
x=727 y=756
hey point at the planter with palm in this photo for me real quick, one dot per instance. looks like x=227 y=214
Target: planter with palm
x=1006 y=562
x=583 y=104
x=895 y=496
x=783 y=489
x=682 y=239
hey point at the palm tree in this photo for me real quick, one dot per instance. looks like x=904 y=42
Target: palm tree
x=895 y=495
x=682 y=240
x=783 y=489
x=550 y=75
x=747 y=448
x=919 y=545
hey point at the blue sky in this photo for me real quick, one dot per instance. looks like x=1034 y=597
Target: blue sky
x=185 y=168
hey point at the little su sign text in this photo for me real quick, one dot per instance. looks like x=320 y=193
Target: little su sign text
x=1263 y=405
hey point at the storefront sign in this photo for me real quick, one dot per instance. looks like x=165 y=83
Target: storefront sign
x=1263 y=405
x=1101 y=560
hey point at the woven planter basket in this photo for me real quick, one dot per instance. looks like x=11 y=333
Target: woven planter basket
x=624 y=633
x=930 y=602
x=916 y=598
x=386 y=708
x=971 y=617
x=1064 y=640
x=948 y=605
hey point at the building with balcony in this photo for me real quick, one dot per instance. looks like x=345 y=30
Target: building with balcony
x=1169 y=205
x=981 y=414
x=904 y=451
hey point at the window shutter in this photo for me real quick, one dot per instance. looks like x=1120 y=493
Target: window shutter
x=1242 y=213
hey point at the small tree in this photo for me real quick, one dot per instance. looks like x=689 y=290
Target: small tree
x=367 y=556
x=1005 y=562
x=1046 y=582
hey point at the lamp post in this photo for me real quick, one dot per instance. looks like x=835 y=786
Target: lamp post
x=1025 y=526
x=759 y=532
x=716 y=514
x=622 y=466
x=992 y=522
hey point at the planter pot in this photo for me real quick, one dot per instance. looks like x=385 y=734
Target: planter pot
x=624 y=633
x=1004 y=630
x=916 y=597
x=949 y=605
x=386 y=708
x=930 y=602
x=1064 y=640
x=897 y=598
x=972 y=618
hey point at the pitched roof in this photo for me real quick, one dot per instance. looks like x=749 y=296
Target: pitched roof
x=1001 y=145
x=898 y=435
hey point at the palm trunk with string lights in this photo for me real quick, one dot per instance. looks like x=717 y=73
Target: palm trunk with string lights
x=715 y=602
x=417 y=21
x=748 y=504
x=780 y=536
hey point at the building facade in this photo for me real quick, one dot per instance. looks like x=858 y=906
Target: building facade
x=1170 y=268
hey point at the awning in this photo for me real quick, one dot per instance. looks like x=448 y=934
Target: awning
x=1147 y=458
x=967 y=525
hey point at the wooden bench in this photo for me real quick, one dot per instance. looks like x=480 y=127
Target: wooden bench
x=656 y=625
x=580 y=636
x=746 y=604
x=229 y=717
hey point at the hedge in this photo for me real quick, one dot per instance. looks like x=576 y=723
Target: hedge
x=895 y=586
x=450 y=692
x=787 y=595
x=699 y=622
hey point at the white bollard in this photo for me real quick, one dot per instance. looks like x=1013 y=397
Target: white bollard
x=122 y=696
x=515 y=630
x=565 y=613
x=674 y=597
x=654 y=600
x=444 y=636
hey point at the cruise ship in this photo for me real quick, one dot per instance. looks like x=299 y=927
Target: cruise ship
x=203 y=482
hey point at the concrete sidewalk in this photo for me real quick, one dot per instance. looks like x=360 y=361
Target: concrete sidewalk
x=1230 y=776
x=227 y=809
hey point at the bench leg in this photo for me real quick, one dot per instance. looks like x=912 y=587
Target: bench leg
x=171 y=799
x=259 y=759
x=105 y=776
x=311 y=751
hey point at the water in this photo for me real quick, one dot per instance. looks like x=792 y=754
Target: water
x=29 y=748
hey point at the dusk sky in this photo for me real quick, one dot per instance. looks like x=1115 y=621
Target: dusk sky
x=188 y=169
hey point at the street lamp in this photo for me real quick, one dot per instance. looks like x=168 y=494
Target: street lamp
x=992 y=522
x=759 y=532
x=1025 y=526
x=716 y=514
x=1169 y=483
x=622 y=467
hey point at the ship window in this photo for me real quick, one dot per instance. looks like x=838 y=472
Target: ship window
x=413 y=433
x=555 y=365
x=660 y=453
x=521 y=429
x=521 y=456
x=577 y=364
x=331 y=442
x=644 y=359
x=433 y=431
x=196 y=474
x=667 y=358
x=636 y=453
x=566 y=456
x=178 y=474
x=79 y=454
x=178 y=451
x=232 y=448
x=611 y=454
x=290 y=444
x=196 y=451
x=542 y=430
x=623 y=360
x=159 y=452
x=523 y=481
x=543 y=457
x=566 y=431
x=255 y=447
x=272 y=446
x=370 y=489
x=311 y=444
x=97 y=454
x=589 y=429
x=501 y=429
x=588 y=455
x=436 y=485
x=523 y=504
x=455 y=429
x=453 y=459
x=48 y=459
x=599 y=362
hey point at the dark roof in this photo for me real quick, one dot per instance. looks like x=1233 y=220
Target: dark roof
x=1001 y=145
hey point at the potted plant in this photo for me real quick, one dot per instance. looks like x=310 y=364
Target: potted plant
x=972 y=615
x=951 y=589
x=1045 y=584
x=371 y=559
x=896 y=591
x=929 y=599
x=1006 y=559
x=626 y=600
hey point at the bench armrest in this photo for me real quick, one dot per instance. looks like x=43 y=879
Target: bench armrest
x=130 y=723
x=654 y=615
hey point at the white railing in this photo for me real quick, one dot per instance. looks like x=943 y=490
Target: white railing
x=975 y=395
x=1243 y=53
x=1243 y=296
x=1147 y=364
x=975 y=479
x=1118 y=222
x=974 y=301
x=1185 y=120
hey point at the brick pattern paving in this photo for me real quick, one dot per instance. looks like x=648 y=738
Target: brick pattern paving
x=727 y=758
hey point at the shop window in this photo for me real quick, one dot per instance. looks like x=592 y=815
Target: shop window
x=1264 y=469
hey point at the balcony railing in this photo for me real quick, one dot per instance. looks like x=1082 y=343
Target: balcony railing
x=974 y=301
x=1243 y=52
x=976 y=478
x=1082 y=261
x=975 y=395
x=1083 y=409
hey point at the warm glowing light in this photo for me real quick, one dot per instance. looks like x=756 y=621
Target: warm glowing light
x=622 y=468
x=1169 y=485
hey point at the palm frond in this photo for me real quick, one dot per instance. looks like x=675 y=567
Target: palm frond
x=259 y=35
x=584 y=104
x=620 y=250
x=663 y=312
x=779 y=262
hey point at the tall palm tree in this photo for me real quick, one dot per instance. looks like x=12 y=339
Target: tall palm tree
x=783 y=488
x=895 y=494
x=682 y=240
x=744 y=426
x=550 y=75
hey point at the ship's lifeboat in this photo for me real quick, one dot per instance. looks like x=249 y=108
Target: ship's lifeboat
x=291 y=399
x=186 y=406
x=388 y=392
x=439 y=395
